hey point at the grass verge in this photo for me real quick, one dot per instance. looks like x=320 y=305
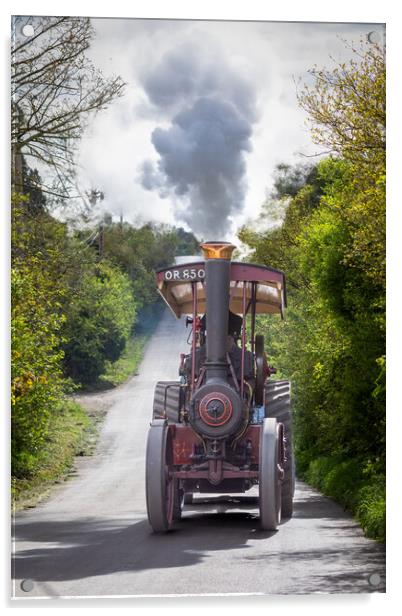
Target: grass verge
x=73 y=432
x=355 y=485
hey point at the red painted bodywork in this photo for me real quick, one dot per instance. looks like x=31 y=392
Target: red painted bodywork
x=184 y=439
x=253 y=434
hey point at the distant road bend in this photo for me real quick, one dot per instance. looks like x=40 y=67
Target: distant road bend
x=92 y=538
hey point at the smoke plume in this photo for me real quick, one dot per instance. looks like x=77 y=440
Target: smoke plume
x=201 y=166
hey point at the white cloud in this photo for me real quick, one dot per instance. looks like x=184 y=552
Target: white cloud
x=269 y=55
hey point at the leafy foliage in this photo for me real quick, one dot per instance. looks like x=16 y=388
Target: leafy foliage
x=331 y=245
x=356 y=486
x=139 y=251
x=70 y=432
x=75 y=299
x=99 y=320
x=346 y=108
x=36 y=378
x=74 y=311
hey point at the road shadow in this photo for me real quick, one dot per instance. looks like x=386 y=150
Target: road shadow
x=91 y=547
x=317 y=507
x=224 y=503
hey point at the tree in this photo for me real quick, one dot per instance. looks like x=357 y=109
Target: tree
x=346 y=108
x=331 y=244
x=289 y=179
x=140 y=251
x=331 y=344
x=37 y=293
x=54 y=88
x=32 y=189
x=275 y=235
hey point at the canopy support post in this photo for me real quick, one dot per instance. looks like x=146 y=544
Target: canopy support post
x=253 y=308
x=194 y=328
x=243 y=340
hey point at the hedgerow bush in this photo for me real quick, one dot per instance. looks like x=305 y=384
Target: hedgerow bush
x=99 y=318
x=356 y=485
x=37 y=382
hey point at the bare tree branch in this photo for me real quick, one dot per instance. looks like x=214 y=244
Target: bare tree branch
x=55 y=91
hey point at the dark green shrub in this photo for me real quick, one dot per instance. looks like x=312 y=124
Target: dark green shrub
x=357 y=486
x=100 y=315
x=36 y=378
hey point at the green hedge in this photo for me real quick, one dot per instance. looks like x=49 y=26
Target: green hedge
x=70 y=433
x=355 y=485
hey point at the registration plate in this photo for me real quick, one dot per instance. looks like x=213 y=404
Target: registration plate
x=191 y=274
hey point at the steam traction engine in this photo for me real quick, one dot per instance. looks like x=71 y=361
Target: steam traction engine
x=225 y=426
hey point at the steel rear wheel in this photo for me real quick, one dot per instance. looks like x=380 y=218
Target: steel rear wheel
x=259 y=373
x=277 y=400
x=269 y=479
x=161 y=491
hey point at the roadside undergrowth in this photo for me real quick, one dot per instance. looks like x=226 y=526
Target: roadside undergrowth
x=355 y=484
x=73 y=432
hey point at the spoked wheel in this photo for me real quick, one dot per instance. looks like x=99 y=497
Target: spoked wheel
x=270 y=480
x=161 y=488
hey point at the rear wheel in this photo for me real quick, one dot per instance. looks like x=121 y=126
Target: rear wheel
x=259 y=370
x=278 y=404
x=161 y=488
x=269 y=479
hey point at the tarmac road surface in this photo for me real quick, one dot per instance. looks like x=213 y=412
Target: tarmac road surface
x=92 y=538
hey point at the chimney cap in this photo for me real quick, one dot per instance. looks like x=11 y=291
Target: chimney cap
x=217 y=250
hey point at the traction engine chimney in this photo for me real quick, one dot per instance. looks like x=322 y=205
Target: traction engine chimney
x=217 y=279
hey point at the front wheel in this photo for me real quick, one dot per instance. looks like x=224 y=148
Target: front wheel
x=160 y=486
x=269 y=475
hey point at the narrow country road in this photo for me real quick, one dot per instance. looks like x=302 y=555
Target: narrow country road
x=91 y=537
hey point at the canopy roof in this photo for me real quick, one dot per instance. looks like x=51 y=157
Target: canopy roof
x=175 y=284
